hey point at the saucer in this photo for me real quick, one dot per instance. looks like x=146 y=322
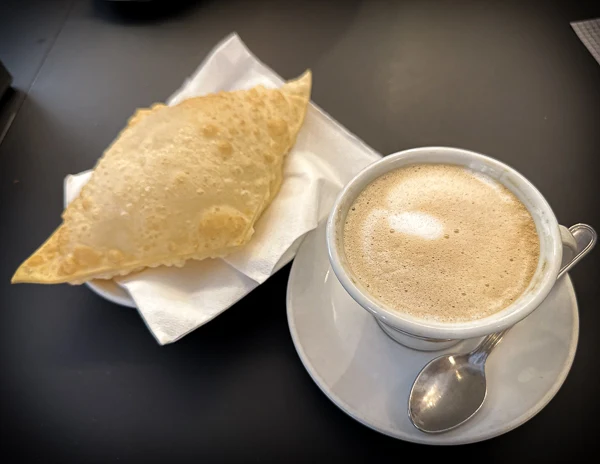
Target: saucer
x=369 y=376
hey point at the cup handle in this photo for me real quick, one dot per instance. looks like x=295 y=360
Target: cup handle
x=569 y=245
x=578 y=240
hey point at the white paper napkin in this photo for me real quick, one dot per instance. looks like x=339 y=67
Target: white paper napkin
x=175 y=301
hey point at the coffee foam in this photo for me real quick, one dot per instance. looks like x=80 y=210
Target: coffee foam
x=441 y=242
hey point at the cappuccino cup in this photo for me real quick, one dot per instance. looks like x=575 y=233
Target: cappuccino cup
x=506 y=209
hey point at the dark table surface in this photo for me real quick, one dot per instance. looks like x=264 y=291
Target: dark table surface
x=82 y=379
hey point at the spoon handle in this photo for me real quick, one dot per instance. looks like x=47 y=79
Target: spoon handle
x=482 y=351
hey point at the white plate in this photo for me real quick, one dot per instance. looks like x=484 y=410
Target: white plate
x=369 y=376
x=112 y=291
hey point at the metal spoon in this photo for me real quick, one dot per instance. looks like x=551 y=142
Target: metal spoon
x=452 y=388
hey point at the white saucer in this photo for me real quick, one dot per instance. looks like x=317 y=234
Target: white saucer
x=369 y=376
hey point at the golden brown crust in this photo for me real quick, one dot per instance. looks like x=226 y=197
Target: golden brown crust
x=178 y=183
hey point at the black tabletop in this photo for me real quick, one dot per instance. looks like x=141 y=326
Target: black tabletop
x=82 y=380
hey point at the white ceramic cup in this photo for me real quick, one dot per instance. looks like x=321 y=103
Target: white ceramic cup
x=432 y=335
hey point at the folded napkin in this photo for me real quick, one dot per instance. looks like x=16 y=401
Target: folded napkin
x=589 y=33
x=174 y=301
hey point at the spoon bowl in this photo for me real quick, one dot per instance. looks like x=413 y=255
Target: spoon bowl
x=451 y=389
x=435 y=412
